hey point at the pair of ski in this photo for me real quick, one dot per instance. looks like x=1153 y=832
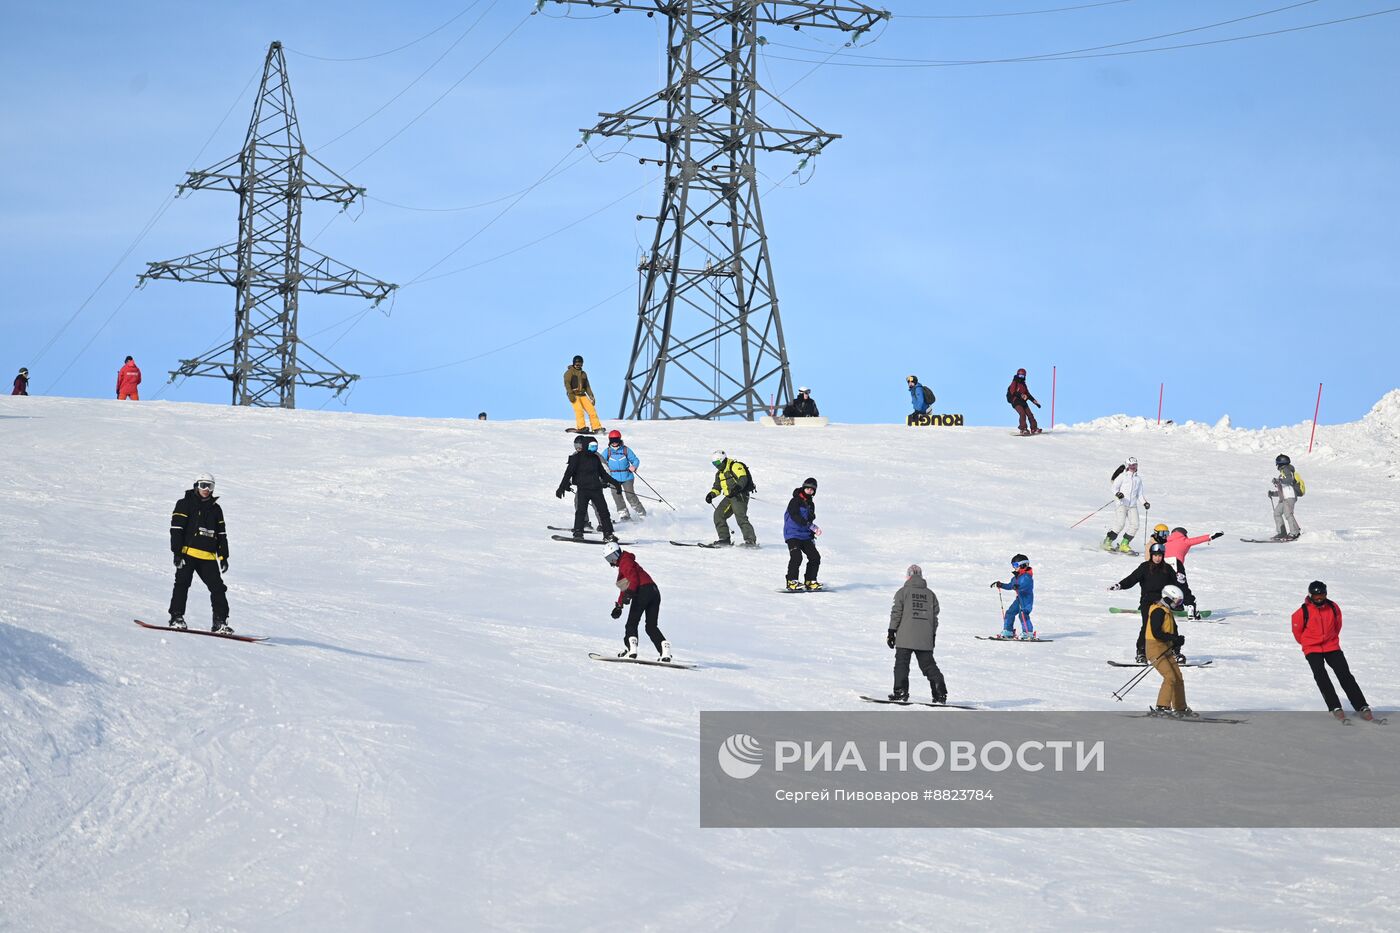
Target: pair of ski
x=1029 y=641
x=1150 y=714
x=1268 y=540
x=712 y=545
x=194 y=631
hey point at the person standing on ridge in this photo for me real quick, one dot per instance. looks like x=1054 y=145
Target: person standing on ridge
x=199 y=545
x=586 y=471
x=1152 y=576
x=128 y=378
x=733 y=485
x=799 y=532
x=636 y=587
x=920 y=396
x=1178 y=544
x=913 y=631
x=1164 y=646
x=1288 y=488
x=580 y=395
x=622 y=465
x=1017 y=395
x=1317 y=627
x=803 y=406
x=1127 y=489
x=1023 y=583
x=21 y=382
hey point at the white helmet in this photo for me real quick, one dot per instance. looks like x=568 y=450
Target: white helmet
x=1172 y=595
x=612 y=552
x=803 y=390
x=717 y=456
x=1132 y=461
x=204 y=478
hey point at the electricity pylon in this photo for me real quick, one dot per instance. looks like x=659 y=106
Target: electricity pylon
x=269 y=266
x=709 y=339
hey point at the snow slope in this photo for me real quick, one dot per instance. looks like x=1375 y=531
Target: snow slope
x=424 y=745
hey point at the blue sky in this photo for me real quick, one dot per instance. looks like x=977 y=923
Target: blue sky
x=1220 y=218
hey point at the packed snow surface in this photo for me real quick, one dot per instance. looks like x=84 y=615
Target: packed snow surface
x=423 y=743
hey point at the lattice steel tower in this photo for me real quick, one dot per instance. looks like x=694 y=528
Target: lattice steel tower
x=709 y=340
x=268 y=265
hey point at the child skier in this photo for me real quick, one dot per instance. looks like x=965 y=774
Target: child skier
x=1023 y=582
x=1178 y=545
x=622 y=465
x=799 y=532
x=636 y=587
x=1317 y=627
x=1153 y=576
x=1017 y=395
x=1127 y=489
x=913 y=630
x=1164 y=647
x=199 y=545
x=1288 y=487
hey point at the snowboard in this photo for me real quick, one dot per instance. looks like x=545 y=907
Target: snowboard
x=1028 y=434
x=588 y=540
x=1179 y=613
x=915 y=703
x=195 y=631
x=1205 y=663
x=1029 y=641
x=1124 y=553
x=825 y=589
x=583 y=430
x=1268 y=540
x=680 y=664
x=1174 y=719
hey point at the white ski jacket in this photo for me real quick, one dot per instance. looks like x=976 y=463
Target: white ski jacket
x=1130 y=485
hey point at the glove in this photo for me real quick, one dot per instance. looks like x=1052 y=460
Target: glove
x=1147 y=506
x=1035 y=403
x=627 y=597
x=994 y=584
x=1118 y=495
x=223 y=565
x=889 y=638
x=1181 y=578
x=1218 y=534
x=179 y=560
x=709 y=497
x=1116 y=586
x=559 y=493
x=616 y=612
x=752 y=489
x=1178 y=641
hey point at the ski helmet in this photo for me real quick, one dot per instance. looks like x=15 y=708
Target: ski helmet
x=810 y=481
x=1179 y=529
x=911 y=379
x=204 y=478
x=24 y=370
x=1157 y=548
x=612 y=552
x=1018 y=560
x=1159 y=532
x=614 y=435
x=804 y=391
x=578 y=359
x=1172 y=595
x=1317 y=588
x=592 y=445
x=580 y=441
x=1282 y=460
x=717 y=457
x=1132 y=462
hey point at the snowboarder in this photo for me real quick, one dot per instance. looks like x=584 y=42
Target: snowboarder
x=913 y=630
x=1288 y=487
x=1017 y=395
x=128 y=378
x=636 y=586
x=1127 y=490
x=803 y=406
x=800 y=531
x=199 y=545
x=1178 y=544
x=1317 y=627
x=622 y=464
x=21 y=382
x=580 y=395
x=1164 y=645
x=1152 y=575
x=1023 y=582
x=585 y=469
x=920 y=396
x=481 y=416
x=733 y=485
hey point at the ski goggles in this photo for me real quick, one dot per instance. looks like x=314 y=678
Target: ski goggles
x=1018 y=564
x=203 y=485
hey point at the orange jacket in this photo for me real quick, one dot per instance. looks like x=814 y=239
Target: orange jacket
x=1318 y=628
x=128 y=378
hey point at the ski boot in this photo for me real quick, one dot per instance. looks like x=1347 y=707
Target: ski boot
x=1180 y=658
x=940 y=696
x=1338 y=715
x=899 y=696
x=794 y=587
x=177 y=621
x=610 y=537
x=1293 y=537
x=1186 y=713
x=1366 y=714
x=578 y=536
x=624 y=516
x=630 y=652
x=1193 y=614
x=1036 y=431
x=1140 y=658
x=1029 y=636
x=1108 y=540
x=665 y=652
x=221 y=627
x=750 y=544
x=812 y=586
x=1123 y=545
x=722 y=542
x=1006 y=636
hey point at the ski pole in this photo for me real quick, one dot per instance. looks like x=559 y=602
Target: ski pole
x=1138 y=677
x=1002 y=619
x=1091 y=514
x=659 y=497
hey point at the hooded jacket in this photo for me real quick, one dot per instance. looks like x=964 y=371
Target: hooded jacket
x=1152 y=578
x=128 y=378
x=621 y=462
x=1018 y=393
x=576 y=384
x=914 y=615
x=21 y=385
x=1024 y=584
x=586 y=471
x=1129 y=484
x=197 y=527
x=630 y=577
x=801 y=407
x=801 y=513
x=1318 y=628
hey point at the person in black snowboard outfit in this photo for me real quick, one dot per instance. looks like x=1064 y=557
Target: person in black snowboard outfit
x=199 y=545
x=585 y=470
x=1151 y=575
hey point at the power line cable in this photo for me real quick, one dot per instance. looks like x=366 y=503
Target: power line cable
x=1058 y=9
x=364 y=58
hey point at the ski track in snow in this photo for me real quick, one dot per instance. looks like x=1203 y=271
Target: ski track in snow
x=424 y=744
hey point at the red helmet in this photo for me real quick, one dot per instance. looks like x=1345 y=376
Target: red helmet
x=1020 y=372
x=614 y=435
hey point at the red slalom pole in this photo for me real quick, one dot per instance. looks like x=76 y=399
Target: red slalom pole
x=1161 y=390
x=1053 y=373
x=1317 y=408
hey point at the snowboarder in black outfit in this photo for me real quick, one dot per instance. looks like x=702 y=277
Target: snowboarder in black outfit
x=1151 y=575
x=585 y=470
x=199 y=545
x=799 y=532
x=913 y=630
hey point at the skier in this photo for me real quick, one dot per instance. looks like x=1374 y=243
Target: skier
x=1317 y=627
x=1023 y=582
x=580 y=395
x=481 y=416
x=1127 y=489
x=199 y=545
x=1152 y=575
x=803 y=406
x=1164 y=644
x=800 y=531
x=585 y=469
x=622 y=464
x=128 y=378
x=1288 y=487
x=920 y=396
x=733 y=485
x=1178 y=544
x=21 y=382
x=913 y=630
x=1017 y=395
x=636 y=586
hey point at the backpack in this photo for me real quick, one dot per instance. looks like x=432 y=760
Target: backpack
x=1301 y=486
x=929 y=397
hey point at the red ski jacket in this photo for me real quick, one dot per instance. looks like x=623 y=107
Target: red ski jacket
x=630 y=571
x=1318 y=628
x=128 y=378
x=1018 y=393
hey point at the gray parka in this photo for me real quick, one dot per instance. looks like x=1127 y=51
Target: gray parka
x=914 y=615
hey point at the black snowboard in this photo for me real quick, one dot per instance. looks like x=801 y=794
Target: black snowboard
x=914 y=703
x=194 y=631
x=678 y=664
x=588 y=540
